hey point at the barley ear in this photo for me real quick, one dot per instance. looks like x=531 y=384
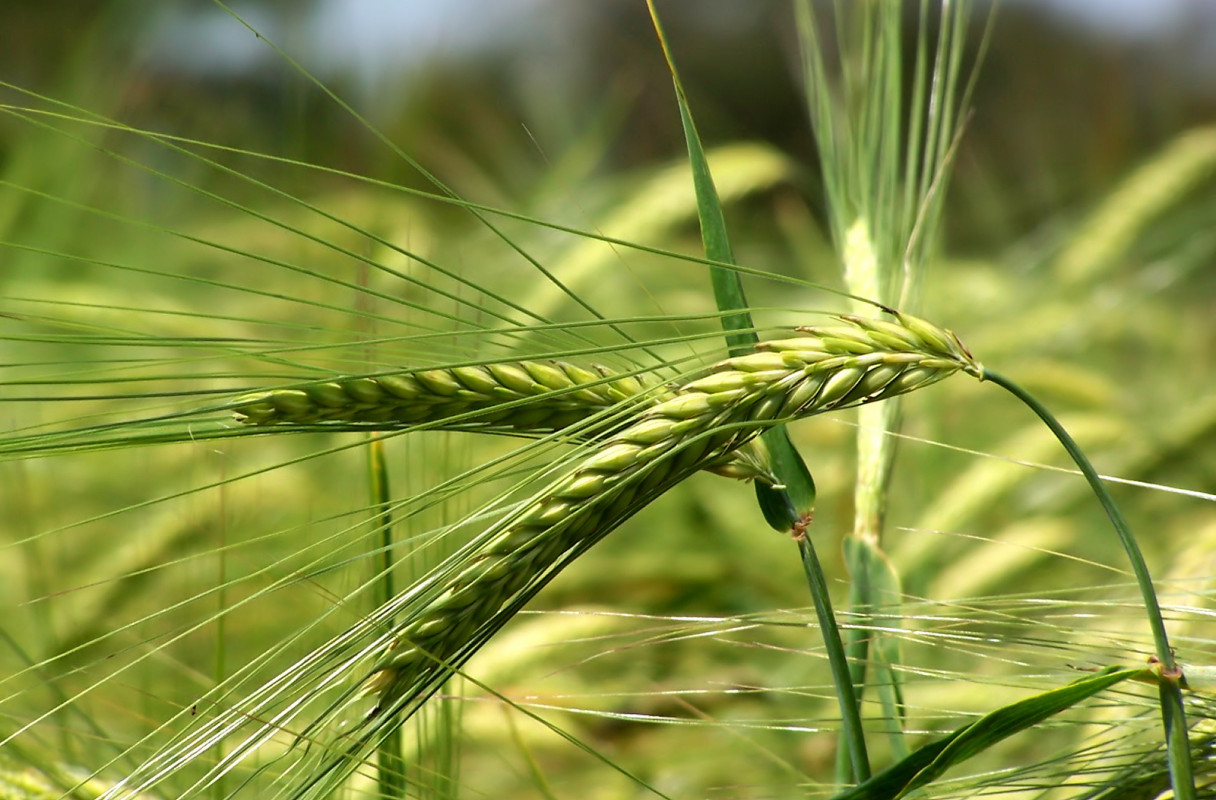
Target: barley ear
x=446 y=617
x=700 y=425
x=528 y=397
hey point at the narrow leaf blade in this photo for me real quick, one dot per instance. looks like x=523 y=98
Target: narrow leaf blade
x=790 y=503
x=927 y=763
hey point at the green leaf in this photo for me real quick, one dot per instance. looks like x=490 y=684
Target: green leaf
x=791 y=502
x=728 y=288
x=929 y=762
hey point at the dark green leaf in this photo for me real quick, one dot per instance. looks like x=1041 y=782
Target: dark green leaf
x=782 y=507
x=927 y=763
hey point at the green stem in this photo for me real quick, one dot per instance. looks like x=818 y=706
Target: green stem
x=1177 y=742
x=856 y=642
x=1173 y=712
x=850 y=714
x=390 y=765
x=1139 y=567
x=382 y=503
x=220 y=665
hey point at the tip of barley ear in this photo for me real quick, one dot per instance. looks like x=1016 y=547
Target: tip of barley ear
x=917 y=335
x=941 y=339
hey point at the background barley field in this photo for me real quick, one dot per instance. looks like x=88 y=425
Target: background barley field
x=191 y=211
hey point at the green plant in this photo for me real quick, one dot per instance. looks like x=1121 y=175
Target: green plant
x=243 y=550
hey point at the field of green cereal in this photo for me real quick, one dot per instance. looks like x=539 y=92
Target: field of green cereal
x=443 y=436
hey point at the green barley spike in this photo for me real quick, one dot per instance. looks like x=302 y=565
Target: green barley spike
x=701 y=422
x=521 y=397
x=444 y=619
x=524 y=397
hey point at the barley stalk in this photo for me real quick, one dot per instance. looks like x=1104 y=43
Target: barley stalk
x=700 y=423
